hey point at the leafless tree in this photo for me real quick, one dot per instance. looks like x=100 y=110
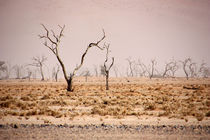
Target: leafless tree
x=185 y=65
x=142 y=68
x=18 y=71
x=106 y=67
x=86 y=74
x=193 y=69
x=174 y=67
x=198 y=71
x=170 y=68
x=166 y=69
x=203 y=70
x=52 y=42
x=3 y=68
x=131 y=64
x=39 y=63
x=206 y=72
x=28 y=76
x=151 y=68
x=55 y=72
x=102 y=70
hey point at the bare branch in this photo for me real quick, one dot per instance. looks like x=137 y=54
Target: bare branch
x=84 y=54
x=54 y=48
x=39 y=62
x=97 y=43
x=107 y=69
x=130 y=63
x=185 y=65
x=47 y=35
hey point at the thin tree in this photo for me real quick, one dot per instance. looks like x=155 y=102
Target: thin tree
x=170 y=68
x=102 y=70
x=185 y=67
x=28 y=76
x=142 y=68
x=54 y=40
x=18 y=71
x=203 y=69
x=151 y=68
x=206 y=72
x=55 y=72
x=115 y=69
x=3 y=68
x=107 y=68
x=39 y=63
x=193 y=70
x=130 y=67
x=87 y=74
x=173 y=68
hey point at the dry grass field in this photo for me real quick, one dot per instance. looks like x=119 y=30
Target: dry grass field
x=173 y=100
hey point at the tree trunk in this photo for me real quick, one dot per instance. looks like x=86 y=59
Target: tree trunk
x=107 y=80
x=56 y=77
x=164 y=74
x=69 y=84
x=185 y=71
x=42 y=73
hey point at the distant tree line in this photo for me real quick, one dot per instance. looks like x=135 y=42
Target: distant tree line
x=190 y=69
x=135 y=68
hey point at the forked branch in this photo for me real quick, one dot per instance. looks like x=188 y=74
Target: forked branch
x=107 y=68
x=54 y=40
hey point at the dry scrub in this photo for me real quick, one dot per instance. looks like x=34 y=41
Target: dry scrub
x=158 y=98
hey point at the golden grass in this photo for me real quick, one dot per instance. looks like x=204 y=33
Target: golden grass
x=174 y=99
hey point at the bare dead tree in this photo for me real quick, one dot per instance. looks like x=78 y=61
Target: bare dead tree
x=167 y=69
x=193 y=70
x=170 y=68
x=115 y=69
x=142 y=68
x=54 y=40
x=151 y=68
x=185 y=66
x=206 y=72
x=173 y=67
x=28 y=76
x=39 y=63
x=107 y=68
x=102 y=70
x=3 y=68
x=130 y=67
x=55 y=72
x=18 y=71
x=86 y=74
x=203 y=70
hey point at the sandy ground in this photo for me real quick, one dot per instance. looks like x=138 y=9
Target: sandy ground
x=133 y=108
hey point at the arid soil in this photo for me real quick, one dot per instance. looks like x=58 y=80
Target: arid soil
x=133 y=108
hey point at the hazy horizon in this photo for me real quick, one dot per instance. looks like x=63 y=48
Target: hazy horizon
x=144 y=29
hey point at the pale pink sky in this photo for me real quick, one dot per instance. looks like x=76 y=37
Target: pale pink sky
x=144 y=29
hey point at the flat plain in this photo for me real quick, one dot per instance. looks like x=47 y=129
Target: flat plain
x=133 y=108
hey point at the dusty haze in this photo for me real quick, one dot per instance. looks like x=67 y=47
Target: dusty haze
x=144 y=29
